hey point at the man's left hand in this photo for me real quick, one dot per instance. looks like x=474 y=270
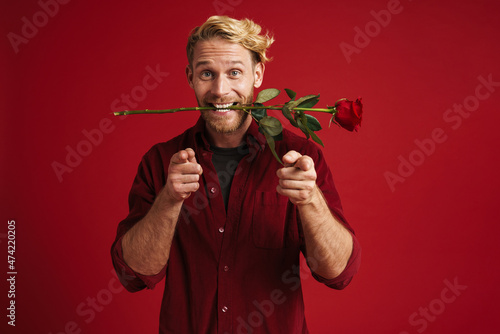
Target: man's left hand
x=297 y=180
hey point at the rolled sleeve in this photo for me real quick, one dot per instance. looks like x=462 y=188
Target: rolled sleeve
x=149 y=180
x=332 y=198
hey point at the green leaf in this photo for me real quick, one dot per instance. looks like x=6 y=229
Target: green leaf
x=278 y=137
x=309 y=103
x=267 y=94
x=271 y=125
x=306 y=98
x=313 y=123
x=291 y=94
x=295 y=104
x=271 y=144
x=288 y=114
x=316 y=138
x=303 y=127
x=258 y=114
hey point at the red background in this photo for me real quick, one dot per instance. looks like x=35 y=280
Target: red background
x=439 y=224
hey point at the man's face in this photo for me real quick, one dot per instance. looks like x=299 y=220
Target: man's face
x=223 y=74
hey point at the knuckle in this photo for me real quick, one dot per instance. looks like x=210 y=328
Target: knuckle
x=279 y=173
x=312 y=176
x=172 y=170
x=177 y=187
x=303 y=194
x=196 y=168
x=173 y=177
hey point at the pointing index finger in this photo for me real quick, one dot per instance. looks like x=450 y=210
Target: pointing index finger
x=291 y=158
x=183 y=156
x=191 y=155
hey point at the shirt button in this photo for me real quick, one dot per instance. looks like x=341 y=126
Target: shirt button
x=213 y=190
x=224 y=309
x=221 y=229
x=226 y=268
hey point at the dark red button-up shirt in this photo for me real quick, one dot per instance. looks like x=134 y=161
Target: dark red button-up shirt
x=234 y=272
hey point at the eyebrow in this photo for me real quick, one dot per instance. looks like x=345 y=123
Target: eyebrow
x=206 y=62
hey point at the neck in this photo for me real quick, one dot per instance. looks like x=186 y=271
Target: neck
x=228 y=140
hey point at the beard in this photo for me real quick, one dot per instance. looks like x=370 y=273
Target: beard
x=230 y=123
x=221 y=124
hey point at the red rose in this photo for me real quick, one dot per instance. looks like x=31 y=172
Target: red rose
x=349 y=114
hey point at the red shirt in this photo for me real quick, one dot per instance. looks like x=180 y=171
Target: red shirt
x=234 y=272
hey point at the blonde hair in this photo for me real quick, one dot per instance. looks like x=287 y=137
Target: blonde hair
x=244 y=32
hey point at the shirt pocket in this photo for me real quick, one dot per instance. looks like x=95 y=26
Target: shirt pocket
x=269 y=220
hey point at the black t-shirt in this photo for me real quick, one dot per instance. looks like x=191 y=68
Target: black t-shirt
x=225 y=161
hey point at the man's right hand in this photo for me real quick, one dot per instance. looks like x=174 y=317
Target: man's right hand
x=183 y=175
x=146 y=246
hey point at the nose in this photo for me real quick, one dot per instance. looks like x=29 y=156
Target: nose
x=220 y=86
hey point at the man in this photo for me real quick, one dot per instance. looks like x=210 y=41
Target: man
x=213 y=213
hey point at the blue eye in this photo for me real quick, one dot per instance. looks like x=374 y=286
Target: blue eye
x=206 y=74
x=235 y=73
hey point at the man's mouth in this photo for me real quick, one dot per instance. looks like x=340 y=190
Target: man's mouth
x=222 y=107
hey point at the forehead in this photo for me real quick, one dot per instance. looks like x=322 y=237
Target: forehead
x=220 y=51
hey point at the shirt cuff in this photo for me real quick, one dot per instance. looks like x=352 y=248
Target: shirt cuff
x=131 y=280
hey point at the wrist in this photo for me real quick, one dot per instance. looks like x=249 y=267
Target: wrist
x=164 y=204
x=314 y=200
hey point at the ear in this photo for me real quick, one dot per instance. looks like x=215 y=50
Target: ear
x=189 y=75
x=259 y=74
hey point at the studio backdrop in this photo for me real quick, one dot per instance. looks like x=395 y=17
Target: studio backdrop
x=418 y=181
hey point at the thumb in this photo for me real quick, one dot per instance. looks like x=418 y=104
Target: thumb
x=305 y=163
